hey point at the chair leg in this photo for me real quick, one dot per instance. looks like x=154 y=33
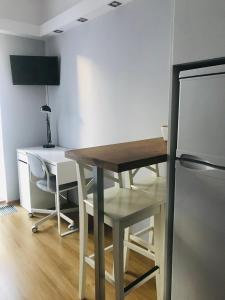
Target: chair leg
x=57 y=204
x=52 y=215
x=83 y=253
x=118 y=241
x=126 y=249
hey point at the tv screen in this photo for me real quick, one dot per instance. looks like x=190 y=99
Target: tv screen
x=35 y=70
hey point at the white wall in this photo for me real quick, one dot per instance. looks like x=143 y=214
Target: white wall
x=22 y=123
x=114 y=76
x=199 y=30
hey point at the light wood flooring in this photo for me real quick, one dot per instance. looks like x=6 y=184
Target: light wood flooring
x=44 y=266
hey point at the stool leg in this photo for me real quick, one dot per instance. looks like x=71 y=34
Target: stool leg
x=157 y=170
x=126 y=249
x=151 y=233
x=83 y=252
x=131 y=179
x=118 y=239
x=159 y=238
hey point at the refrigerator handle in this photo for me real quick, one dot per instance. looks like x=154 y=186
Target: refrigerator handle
x=193 y=163
x=191 y=158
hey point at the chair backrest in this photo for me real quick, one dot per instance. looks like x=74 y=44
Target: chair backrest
x=37 y=166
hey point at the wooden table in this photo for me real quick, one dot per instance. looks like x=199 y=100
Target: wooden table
x=117 y=158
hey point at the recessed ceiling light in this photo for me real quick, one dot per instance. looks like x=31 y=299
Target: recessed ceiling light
x=82 y=20
x=58 y=31
x=115 y=4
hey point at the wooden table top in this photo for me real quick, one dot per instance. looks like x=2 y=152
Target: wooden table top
x=124 y=156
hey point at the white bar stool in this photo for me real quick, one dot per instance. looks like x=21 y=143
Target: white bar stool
x=123 y=208
x=141 y=245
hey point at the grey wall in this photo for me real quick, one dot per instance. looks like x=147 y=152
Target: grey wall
x=198 y=30
x=22 y=124
x=114 y=76
x=3 y=190
x=28 y=11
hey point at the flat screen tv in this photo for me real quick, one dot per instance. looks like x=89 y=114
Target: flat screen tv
x=35 y=70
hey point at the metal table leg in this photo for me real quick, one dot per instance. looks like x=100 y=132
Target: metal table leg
x=99 y=233
x=159 y=229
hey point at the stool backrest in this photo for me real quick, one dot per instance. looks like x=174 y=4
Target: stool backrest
x=85 y=186
x=133 y=173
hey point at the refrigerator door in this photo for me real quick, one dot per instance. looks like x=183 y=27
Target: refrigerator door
x=198 y=271
x=201 y=127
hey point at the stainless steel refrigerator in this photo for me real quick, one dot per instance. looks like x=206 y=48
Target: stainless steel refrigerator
x=198 y=271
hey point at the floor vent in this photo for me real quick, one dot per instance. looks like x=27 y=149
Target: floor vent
x=7 y=210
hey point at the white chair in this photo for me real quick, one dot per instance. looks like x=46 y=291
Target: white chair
x=123 y=207
x=46 y=182
x=141 y=245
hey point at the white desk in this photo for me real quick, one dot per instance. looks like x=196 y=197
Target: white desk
x=63 y=168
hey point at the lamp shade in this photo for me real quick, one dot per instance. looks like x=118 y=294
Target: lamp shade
x=45 y=108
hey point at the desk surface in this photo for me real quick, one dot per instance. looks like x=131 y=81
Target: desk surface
x=124 y=156
x=51 y=155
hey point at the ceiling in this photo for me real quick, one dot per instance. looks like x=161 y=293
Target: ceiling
x=39 y=18
x=52 y=8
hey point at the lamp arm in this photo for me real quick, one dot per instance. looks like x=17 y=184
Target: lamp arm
x=49 y=135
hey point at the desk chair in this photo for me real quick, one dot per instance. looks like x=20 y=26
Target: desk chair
x=123 y=208
x=46 y=182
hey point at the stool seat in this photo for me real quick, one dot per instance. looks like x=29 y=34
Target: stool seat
x=121 y=203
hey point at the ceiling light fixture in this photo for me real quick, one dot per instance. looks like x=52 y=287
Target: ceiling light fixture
x=82 y=20
x=115 y=4
x=58 y=31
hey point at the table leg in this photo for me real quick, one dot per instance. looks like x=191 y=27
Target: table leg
x=159 y=236
x=99 y=233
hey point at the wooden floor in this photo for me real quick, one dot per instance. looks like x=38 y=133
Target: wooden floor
x=44 y=266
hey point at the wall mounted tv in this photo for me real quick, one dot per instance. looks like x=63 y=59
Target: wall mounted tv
x=35 y=70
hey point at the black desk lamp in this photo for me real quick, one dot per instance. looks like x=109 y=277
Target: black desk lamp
x=46 y=109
